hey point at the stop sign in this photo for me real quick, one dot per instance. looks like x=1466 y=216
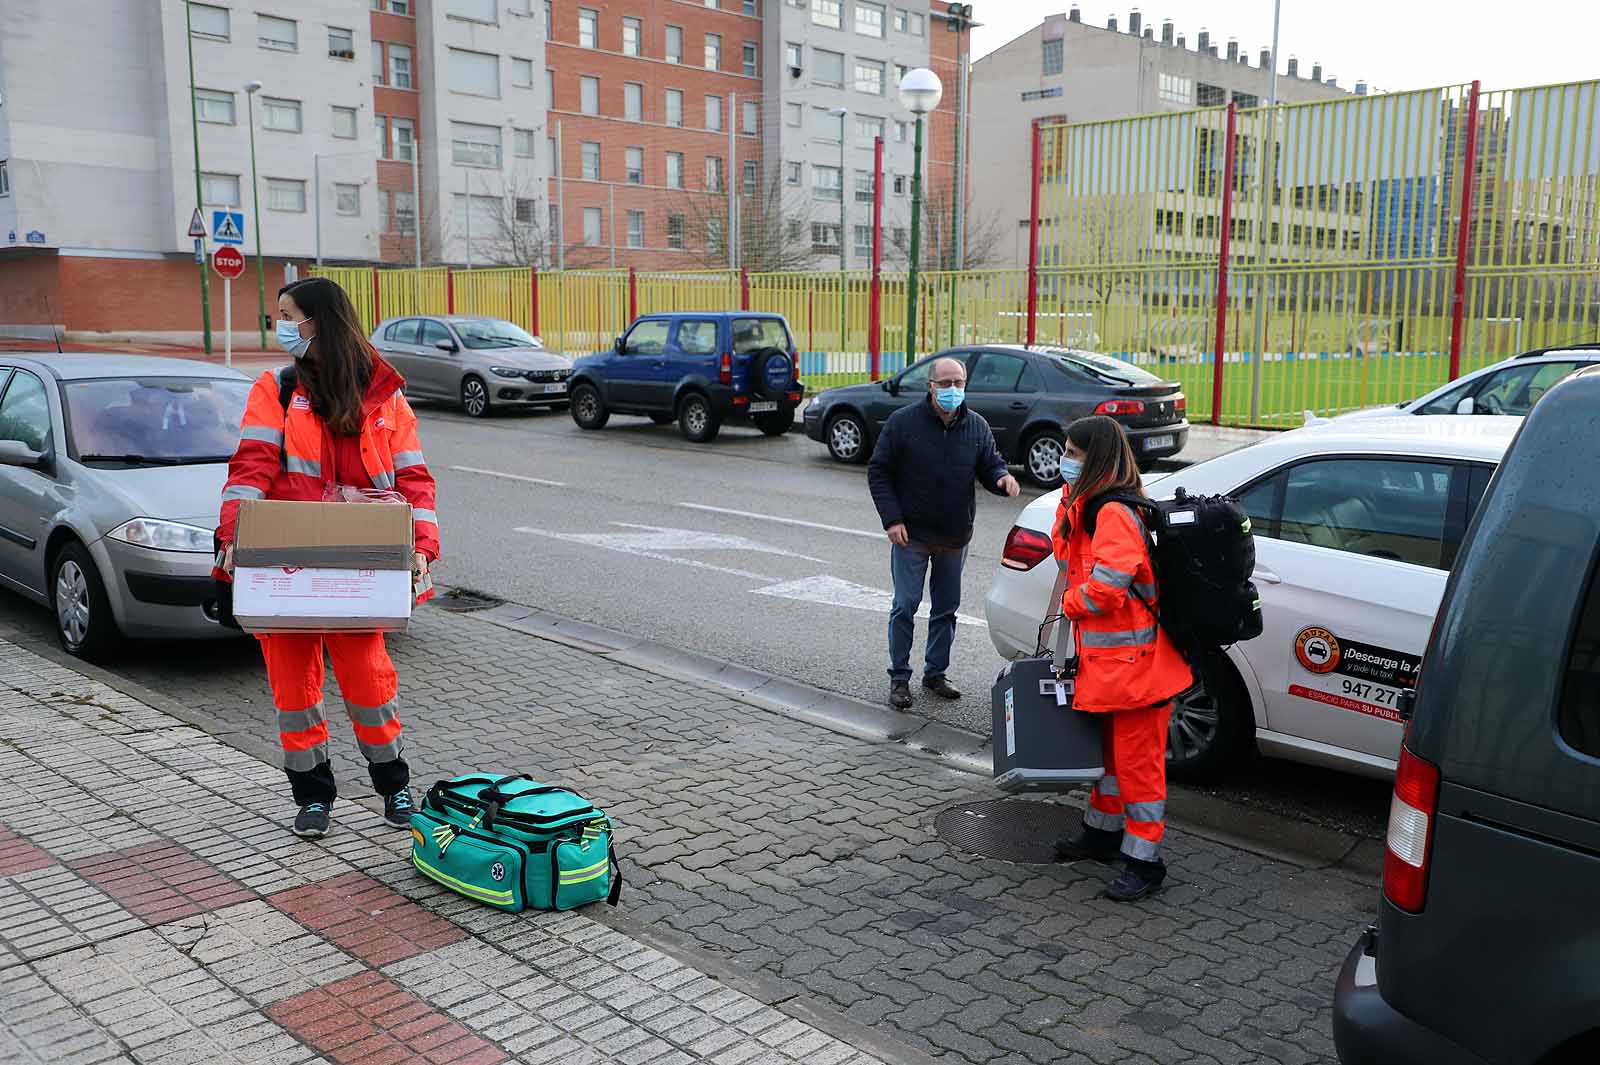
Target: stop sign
x=227 y=261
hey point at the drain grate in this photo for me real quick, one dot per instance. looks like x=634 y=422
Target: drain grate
x=465 y=601
x=1013 y=830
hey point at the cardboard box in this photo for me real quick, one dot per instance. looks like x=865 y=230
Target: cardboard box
x=322 y=567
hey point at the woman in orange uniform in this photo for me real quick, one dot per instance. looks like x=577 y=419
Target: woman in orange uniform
x=345 y=422
x=1129 y=669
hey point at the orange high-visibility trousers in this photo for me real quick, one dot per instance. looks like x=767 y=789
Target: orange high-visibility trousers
x=1132 y=796
x=370 y=687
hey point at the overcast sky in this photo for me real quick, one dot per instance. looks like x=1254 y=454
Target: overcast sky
x=1391 y=44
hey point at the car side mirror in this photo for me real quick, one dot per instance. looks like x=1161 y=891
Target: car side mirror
x=891 y=387
x=618 y=346
x=1467 y=406
x=16 y=453
x=447 y=345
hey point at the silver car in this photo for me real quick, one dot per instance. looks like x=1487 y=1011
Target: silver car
x=484 y=364
x=111 y=472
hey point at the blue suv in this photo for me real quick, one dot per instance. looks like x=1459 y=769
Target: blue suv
x=698 y=368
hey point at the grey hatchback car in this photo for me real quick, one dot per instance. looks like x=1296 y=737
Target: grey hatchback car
x=483 y=364
x=111 y=473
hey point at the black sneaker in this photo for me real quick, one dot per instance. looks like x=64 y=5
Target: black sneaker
x=1138 y=879
x=1091 y=844
x=398 y=808
x=312 y=820
x=900 y=694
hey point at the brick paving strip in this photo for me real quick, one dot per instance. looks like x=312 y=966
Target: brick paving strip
x=796 y=866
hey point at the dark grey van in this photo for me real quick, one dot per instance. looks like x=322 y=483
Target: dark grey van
x=1487 y=945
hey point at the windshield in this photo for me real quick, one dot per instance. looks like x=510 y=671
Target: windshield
x=484 y=333
x=159 y=420
x=753 y=334
x=1103 y=367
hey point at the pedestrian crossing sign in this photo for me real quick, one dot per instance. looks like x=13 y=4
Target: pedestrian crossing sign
x=227 y=227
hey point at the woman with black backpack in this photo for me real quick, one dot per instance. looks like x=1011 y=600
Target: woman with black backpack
x=1129 y=669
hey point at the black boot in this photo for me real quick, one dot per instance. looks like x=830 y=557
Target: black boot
x=1093 y=844
x=1138 y=879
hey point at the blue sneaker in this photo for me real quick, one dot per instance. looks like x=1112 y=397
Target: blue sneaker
x=398 y=808
x=312 y=820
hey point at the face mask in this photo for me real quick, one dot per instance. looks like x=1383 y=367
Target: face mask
x=1070 y=469
x=949 y=398
x=290 y=340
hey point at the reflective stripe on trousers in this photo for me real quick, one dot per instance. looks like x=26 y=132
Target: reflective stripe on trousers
x=1132 y=796
x=366 y=678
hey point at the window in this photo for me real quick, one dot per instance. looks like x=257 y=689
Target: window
x=901 y=130
x=474 y=145
x=473 y=10
x=750 y=119
x=5 y=179
x=1210 y=95
x=793 y=114
x=474 y=73
x=713 y=51
x=633 y=165
x=713 y=113
x=219 y=190
x=526 y=212
x=825 y=237
x=632 y=31
x=588 y=28
x=997 y=373
x=522 y=143
x=863 y=186
x=1052 y=58
x=280 y=115
x=589 y=95
x=552 y=157
x=752 y=177
x=1578 y=717
x=793 y=56
x=674 y=44
x=1391 y=508
x=829 y=69
x=278 y=34
x=1513 y=390
x=827 y=127
x=869 y=76
x=675 y=231
x=649 y=337
x=400 y=66
x=1246 y=100
x=380 y=73
x=697 y=336
x=284 y=194
x=749 y=7
x=902 y=20
x=869 y=19
x=347 y=199
x=1176 y=90
x=379 y=126
x=591 y=227
x=898 y=185
x=214 y=106
x=863 y=240
x=919 y=24
x=868 y=128
x=209 y=23
x=341 y=43
x=714 y=174
x=826 y=13
x=714 y=4
x=900 y=72
x=674 y=170
x=825 y=182
x=750 y=65
x=25 y=413
x=522 y=73
x=344 y=123
x=635 y=229
x=1051 y=93
x=405 y=137
x=792 y=173
x=674 y=107
x=589 y=158
x=1170 y=222
x=633 y=102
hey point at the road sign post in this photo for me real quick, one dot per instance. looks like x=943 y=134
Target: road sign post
x=228 y=262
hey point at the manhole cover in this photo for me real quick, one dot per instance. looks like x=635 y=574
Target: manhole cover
x=1013 y=830
x=465 y=600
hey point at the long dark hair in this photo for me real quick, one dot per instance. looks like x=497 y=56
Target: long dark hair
x=1108 y=462
x=337 y=368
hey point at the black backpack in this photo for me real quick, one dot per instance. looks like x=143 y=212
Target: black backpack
x=1203 y=554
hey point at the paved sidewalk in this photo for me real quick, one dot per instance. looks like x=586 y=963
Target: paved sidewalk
x=153 y=909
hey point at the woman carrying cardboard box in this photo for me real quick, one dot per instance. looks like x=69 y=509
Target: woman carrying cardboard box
x=336 y=417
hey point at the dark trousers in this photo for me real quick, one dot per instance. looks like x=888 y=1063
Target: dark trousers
x=913 y=566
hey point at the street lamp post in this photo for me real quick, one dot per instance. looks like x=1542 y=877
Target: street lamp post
x=250 y=90
x=920 y=92
x=199 y=191
x=841 y=113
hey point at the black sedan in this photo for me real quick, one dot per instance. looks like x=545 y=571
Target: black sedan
x=1028 y=395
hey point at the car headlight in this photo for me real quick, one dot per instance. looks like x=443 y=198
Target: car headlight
x=505 y=371
x=160 y=535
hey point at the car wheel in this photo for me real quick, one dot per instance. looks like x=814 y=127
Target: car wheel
x=696 y=420
x=1041 y=461
x=775 y=424
x=84 y=624
x=1209 y=732
x=846 y=435
x=662 y=418
x=475 y=397
x=588 y=409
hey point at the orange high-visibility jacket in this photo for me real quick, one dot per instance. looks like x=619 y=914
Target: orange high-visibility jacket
x=289 y=454
x=1126 y=660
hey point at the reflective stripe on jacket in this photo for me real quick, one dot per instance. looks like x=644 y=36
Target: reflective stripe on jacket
x=1126 y=661
x=289 y=454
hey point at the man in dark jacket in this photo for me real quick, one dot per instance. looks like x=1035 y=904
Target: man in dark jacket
x=921 y=475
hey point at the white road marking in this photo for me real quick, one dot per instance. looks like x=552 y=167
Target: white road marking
x=784 y=521
x=510 y=476
x=662 y=538
x=833 y=591
x=615 y=543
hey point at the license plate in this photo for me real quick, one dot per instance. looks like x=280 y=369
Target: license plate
x=763 y=408
x=554 y=388
x=1153 y=442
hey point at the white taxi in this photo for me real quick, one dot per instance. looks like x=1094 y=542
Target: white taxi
x=1356 y=526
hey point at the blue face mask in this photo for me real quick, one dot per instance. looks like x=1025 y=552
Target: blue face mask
x=1070 y=469
x=290 y=340
x=949 y=398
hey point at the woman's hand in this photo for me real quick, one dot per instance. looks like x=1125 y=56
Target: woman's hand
x=419 y=564
x=227 y=560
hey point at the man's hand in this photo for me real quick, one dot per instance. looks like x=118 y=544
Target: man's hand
x=1008 y=484
x=898 y=535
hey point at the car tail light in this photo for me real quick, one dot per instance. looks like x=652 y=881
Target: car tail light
x=741 y=401
x=1180 y=403
x=1412 y=811
x=725 y=369
x=1114 y=407
x=794 y=397
x=794 y=362
x=1025 y=549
